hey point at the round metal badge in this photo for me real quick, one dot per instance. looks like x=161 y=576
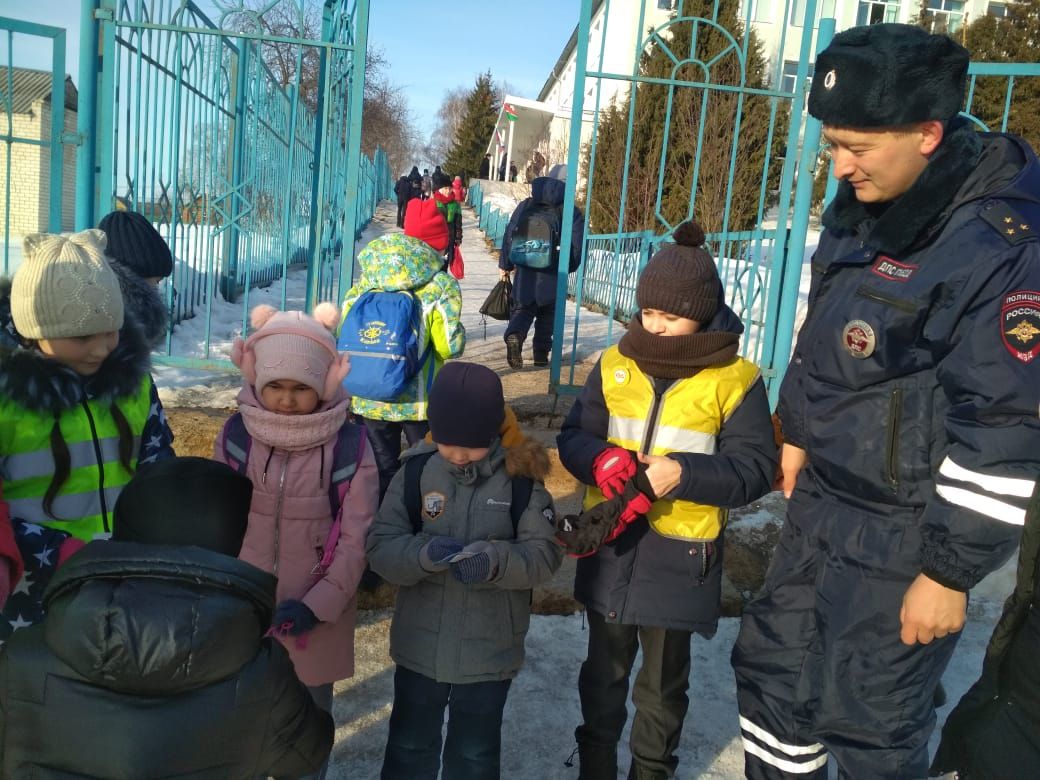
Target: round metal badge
x=859 y=339
x=830 y=79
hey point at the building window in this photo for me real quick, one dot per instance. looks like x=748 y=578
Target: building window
x=999 y=10
x=944 y=16
x=797 y=13
x=664 y=5
x=876 y=12
x=761 y=11
x=789 y=76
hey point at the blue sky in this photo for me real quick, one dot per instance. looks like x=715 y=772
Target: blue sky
x=430 y=47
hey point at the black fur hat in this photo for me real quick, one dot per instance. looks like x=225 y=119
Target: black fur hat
x=886 y=75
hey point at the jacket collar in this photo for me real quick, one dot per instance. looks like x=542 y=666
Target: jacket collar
x=923 y=209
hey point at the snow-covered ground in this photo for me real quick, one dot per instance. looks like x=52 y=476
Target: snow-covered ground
x=542 y=709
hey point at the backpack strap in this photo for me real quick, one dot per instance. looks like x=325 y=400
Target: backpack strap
x=235 y=443
x=346 y=457
x=522 y=488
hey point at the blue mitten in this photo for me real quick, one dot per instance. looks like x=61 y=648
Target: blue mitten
x=479 y=566
x=293 y=618
x=434 y=554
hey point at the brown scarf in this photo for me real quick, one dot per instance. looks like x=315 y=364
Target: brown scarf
x=676 y=357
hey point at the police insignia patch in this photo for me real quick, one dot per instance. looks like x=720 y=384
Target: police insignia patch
x=433 y=505
x=1020 y=324
x=890 y=268
x=858 y=339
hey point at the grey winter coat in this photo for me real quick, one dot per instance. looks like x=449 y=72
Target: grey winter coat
x=442 y=628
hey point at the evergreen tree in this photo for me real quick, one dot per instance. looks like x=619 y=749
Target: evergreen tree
x=1013 y=38
x=478 y=122
x=703 y=115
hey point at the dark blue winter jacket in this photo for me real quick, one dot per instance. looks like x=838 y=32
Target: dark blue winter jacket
x=643 y=578
x=538 y=286
x=913 y=386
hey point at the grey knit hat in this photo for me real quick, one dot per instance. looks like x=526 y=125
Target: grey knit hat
x=681 y=278
x=65 y=288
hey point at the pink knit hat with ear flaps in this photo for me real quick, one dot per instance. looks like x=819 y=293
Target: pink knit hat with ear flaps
x=291 y=345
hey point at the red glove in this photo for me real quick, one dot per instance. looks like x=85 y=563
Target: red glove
x=612 y=469
x=637 y=498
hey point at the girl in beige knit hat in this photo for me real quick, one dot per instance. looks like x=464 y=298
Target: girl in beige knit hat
x=78 y=411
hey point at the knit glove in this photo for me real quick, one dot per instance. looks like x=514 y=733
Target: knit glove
x=476 y=562
x=293 y=618
x=434 y=555
x=612 y=468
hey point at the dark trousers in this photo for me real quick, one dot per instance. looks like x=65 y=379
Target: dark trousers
x=541 y=315
x=473 y=746
x=819 y=664
x=402 y=207
x=659 y=694
x=385 y=438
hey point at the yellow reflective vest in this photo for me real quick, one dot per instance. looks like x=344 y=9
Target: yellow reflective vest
x=686 y=418
x=84 y=502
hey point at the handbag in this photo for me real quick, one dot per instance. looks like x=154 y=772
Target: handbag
x=497 y=304
x=457 y=267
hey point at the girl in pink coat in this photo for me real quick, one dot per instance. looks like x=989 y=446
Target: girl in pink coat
x=315 y=486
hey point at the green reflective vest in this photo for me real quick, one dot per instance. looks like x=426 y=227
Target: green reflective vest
x=84 y=503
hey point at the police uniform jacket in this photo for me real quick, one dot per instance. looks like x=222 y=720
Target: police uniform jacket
x=914 y=385
x=655 y=573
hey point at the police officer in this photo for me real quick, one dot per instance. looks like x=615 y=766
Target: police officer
x=909 y=414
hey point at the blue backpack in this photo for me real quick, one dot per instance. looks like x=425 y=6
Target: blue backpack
x=381 y=335
x=535 y=240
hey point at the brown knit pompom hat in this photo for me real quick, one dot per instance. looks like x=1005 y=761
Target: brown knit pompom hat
x=681 y=278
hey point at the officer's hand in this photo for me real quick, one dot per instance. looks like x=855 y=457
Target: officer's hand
x=931 y=611
x=663 y=473
x=792 y=460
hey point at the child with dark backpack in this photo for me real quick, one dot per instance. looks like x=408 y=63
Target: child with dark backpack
x=531 y=247
x=466 y=531
x=400 y=321
x=315 y=486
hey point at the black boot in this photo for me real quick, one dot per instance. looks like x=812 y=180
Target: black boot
x=597 y=762
x=514 y=355
x=541 y=358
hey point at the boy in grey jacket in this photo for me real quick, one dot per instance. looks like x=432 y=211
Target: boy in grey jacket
x=466 y=561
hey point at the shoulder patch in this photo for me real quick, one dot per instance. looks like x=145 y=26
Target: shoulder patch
x=1008 y=222
x=1020 y=324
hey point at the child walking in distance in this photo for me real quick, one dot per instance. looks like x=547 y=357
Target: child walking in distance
x=78 y=409
x=466 y=531
x=671 y=428
x=315 y=486
x=152 y=661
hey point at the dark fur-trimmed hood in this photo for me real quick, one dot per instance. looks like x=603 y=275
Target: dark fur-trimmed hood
x=44 y=385
x=142 y=304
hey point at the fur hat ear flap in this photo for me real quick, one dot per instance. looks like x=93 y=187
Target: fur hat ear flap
x=244 y=357
x=338 y=371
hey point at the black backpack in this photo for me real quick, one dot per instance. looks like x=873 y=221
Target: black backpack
x=535 y=240
x=413 y=468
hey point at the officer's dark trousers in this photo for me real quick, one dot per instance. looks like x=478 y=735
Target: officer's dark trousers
x=659 y=695
x=473 y=745
x=819 y=664
x=542 y=316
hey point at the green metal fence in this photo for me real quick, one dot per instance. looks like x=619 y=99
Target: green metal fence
x=238 y=136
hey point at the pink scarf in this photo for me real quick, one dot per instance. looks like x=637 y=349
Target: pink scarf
x=292 y=432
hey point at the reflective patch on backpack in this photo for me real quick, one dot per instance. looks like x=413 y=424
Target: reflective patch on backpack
x=535 y=239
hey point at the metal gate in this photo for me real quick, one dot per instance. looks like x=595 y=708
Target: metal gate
x=692 y=130
x=35 y=143
x=238 y=136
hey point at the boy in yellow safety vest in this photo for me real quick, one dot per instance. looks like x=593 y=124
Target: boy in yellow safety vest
x=671 y=428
